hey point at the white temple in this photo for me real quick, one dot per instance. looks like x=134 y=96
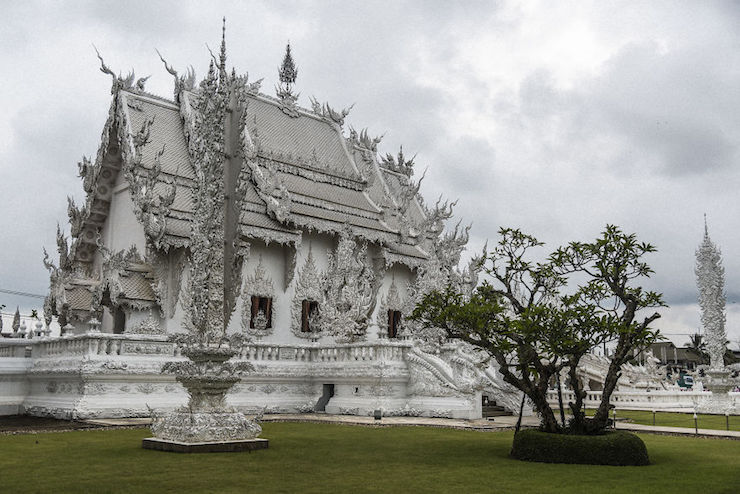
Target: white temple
x=333 y=247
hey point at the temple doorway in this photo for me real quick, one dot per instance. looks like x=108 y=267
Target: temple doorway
x=328 y=392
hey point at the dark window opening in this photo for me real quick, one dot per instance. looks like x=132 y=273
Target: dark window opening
x=394 y=323
x=261 y=305
x=309 y=309
x=119 y=321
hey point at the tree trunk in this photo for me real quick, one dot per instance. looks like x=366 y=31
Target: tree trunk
x=521 y=410
x=560 y=400
x=549 y=422
x=578 y=422
x=601 y=418
x=537 y=393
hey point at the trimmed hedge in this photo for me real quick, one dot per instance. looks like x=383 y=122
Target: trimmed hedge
x=610 y=448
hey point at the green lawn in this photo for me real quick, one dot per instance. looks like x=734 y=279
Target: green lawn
x=670 y=419
x=306 y=458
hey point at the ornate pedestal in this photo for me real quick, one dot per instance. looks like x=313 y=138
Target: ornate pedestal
x=207 y=423
x=719 y=383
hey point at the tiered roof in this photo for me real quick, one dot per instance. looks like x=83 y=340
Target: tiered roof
x=299 y=172
x=307 y=154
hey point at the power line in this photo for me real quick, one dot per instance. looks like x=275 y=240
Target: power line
x=22 y=294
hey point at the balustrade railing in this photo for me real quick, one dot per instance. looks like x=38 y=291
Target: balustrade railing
x=636 y=399
x=357 y=352
x=105 y=344
x=14 y=348
x=92 y=344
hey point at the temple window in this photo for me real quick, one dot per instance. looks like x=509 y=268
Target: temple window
x=261 y=313
x=394 y=323
x=119 y=321
x=309 y=309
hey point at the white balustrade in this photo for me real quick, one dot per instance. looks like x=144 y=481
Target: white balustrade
x=356 y=352
x=95 y=345
x=648 y=400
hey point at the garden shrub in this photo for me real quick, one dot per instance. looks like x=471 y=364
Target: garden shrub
x=610 y=448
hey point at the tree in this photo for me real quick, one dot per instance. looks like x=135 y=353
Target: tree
x=538 y=318
x=698 y=348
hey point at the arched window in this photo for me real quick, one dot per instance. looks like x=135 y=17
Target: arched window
x=394 y=323
x=261 y=314
x=309 y=309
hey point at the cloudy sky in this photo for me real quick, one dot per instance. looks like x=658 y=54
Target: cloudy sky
x=554 y=117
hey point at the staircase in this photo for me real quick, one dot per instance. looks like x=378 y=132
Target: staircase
x=493 y=410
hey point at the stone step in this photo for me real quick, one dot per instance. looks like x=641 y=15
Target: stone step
x=495 y=411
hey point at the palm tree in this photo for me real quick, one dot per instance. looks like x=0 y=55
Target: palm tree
x=698 y=348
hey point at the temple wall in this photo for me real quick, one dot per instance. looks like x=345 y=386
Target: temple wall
x=14 y=383
x=103 y=375
x=127 y=230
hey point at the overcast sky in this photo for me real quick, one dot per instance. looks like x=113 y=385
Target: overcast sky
x=554 y=117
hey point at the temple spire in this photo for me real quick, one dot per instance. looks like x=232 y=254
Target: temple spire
x=706 y=229
x=710 y=280
x=222 y=59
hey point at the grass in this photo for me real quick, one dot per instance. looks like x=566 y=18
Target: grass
x=305 y=458
x=677 y=419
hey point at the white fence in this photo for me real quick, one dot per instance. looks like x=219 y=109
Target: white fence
x=91 y=344
x=639 y=400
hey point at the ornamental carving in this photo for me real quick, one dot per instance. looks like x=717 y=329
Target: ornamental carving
x=328 y=113
x=151 y=206
x=257 y=285
x=391 y=302
x=270 y=188
x=308 y=287
x=348 y=295
x=399 y=164
x=150 y=325
x=167 y=269
x=363 y=140
x=710 y=279
x=113 y=267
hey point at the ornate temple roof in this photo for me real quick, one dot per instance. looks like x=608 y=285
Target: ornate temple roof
x=307 y=154
x=299 y=170
x=221 y=164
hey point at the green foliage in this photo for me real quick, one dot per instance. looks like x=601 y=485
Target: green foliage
x=619 y=448
x=537 y=319
x=698 y=348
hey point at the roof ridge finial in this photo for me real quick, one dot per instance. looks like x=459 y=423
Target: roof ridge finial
x=288 y=72
x=222 y=58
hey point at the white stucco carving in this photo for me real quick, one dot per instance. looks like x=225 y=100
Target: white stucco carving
x=258 y=284
x=308 y=287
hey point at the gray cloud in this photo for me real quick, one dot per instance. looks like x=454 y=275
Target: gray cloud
x=637 y=125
